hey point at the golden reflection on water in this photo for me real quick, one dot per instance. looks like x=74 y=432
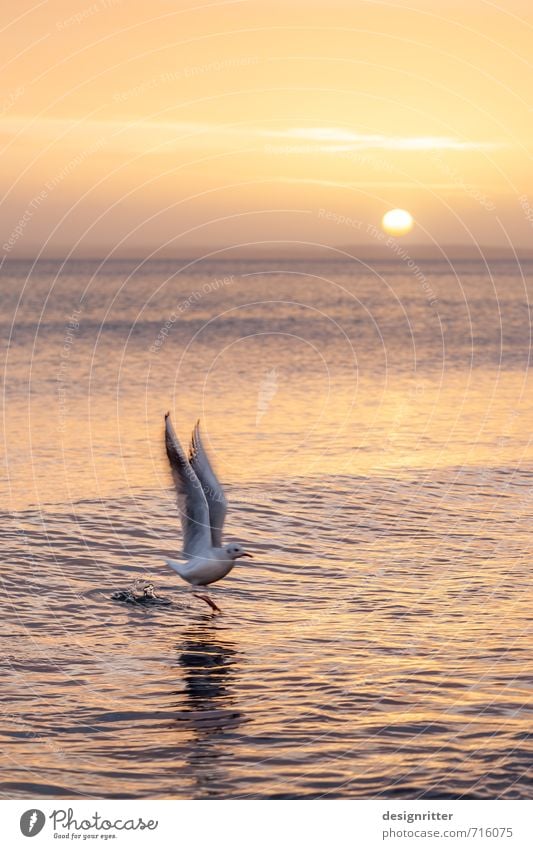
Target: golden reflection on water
x=481 y=419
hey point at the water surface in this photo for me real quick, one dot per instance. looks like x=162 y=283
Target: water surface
x=373 y=430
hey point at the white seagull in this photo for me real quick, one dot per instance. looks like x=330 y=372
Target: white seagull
x=202 y=506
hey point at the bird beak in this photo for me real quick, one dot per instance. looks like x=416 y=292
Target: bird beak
x=246 y=554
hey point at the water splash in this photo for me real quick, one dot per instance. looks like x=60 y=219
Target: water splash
x=140 y=592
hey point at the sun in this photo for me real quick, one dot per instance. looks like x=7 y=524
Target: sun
x=397 y=222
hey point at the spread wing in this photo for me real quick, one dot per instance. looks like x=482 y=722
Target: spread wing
x=216 y=500
x=192 y=504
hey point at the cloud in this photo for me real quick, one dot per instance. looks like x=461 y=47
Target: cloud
x=350 y=140
x=143 y=136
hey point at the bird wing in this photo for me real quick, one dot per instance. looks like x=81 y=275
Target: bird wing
x=192 y=504
x=216 y=500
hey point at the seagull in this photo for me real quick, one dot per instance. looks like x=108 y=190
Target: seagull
x=202 y=506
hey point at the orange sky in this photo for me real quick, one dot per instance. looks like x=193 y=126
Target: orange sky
x=134 y=127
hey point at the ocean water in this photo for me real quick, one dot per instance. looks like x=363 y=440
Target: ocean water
x=372 y=427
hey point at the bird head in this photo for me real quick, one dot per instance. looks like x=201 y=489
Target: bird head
x=235 y=551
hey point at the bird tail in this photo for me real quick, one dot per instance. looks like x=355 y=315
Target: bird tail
x=176 y=566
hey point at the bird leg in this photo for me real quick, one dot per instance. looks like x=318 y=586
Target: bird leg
x=214 y=607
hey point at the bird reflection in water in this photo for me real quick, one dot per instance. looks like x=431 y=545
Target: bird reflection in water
x=209 y=664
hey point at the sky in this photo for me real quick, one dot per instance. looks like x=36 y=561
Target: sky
x=171 y=128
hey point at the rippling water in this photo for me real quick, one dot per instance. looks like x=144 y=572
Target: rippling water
x=373 y=431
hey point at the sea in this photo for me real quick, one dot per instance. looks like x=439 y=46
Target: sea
x=371 y=424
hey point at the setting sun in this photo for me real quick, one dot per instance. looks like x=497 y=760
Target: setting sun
x=397 y=222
